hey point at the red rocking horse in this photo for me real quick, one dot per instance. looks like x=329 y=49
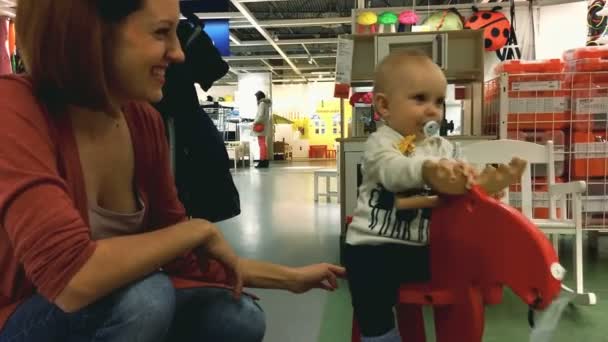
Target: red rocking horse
x=478 y=245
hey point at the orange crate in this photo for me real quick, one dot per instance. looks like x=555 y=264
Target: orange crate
x=539 y=110
x=589 y=155
x=587 y=73
x=532 y=75
x=538 y=96
x=589 y=109
x=523 y=67
x=587 y=65
x=585 y=52
x=540 y=197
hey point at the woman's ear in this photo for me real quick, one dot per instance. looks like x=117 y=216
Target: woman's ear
x=381 y=104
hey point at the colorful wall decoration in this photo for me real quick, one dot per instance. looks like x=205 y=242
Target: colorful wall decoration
x=324 y=125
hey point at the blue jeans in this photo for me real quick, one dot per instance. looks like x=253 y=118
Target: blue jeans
x=150 y=310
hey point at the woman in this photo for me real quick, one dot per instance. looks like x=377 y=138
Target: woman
x=262 y=126
x=94 y=243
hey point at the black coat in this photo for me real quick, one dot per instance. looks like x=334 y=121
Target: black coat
x=202 y=166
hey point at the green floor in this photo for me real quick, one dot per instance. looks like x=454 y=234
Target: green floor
x=280 y=222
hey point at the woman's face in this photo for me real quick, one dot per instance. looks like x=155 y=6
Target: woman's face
x=144 y=45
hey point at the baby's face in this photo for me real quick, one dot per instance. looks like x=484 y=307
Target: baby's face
x=414 y=96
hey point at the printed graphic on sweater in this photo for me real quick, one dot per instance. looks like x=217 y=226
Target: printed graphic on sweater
x=408 y=224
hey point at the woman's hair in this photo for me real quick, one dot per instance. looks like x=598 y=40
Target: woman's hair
x=67 y=48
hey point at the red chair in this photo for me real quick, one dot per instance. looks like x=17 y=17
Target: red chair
x=478 y=245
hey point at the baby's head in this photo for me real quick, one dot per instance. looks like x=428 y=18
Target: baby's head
x=409 y=91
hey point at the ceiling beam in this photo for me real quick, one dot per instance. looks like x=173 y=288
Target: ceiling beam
x=219 y=15
x=238 y=24
x=287 y=42
x=249 y=16
x=311 y=60
x=269 y=66
x=261 y=57
x=234 y=39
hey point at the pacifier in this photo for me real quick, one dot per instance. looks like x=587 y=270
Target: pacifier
x=431 y=129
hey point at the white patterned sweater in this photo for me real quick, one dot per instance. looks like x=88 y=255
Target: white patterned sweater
x=387 y=171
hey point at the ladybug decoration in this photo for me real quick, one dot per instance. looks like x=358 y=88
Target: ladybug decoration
x=496 y=26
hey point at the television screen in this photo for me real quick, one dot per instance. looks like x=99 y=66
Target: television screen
x=219 y=32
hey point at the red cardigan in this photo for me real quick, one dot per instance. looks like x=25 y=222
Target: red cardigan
x=44 y=233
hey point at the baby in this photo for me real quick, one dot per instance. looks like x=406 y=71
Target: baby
x=403 y=170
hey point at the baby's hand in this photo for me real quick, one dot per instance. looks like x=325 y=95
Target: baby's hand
x=449 y=176
x=469 y=172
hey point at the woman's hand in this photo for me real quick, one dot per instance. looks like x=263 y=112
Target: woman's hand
x=317 y=276
x=218 y=248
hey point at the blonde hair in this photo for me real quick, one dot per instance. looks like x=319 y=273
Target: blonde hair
x=385 y=70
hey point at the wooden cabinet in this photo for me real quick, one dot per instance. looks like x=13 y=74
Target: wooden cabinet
x=464 y=54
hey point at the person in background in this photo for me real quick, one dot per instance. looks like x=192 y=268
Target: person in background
x=262 y=127
x=94 y=243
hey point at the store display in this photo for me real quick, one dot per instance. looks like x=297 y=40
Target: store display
x=565 y=102
x=445 y=20
x=538 y=96
x=407 y=19
x=387 y=22
x=496 y=26
x=366 y=22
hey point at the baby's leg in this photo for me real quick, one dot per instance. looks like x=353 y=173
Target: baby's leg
x=373 y=282
x=493 y=180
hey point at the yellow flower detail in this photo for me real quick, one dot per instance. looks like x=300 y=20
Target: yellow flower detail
x=406 y=145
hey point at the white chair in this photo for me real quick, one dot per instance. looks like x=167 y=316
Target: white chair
x=569 y=222
x=328 y=174
x=237 y=151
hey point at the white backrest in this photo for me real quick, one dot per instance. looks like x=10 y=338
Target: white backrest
x=502 y=151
